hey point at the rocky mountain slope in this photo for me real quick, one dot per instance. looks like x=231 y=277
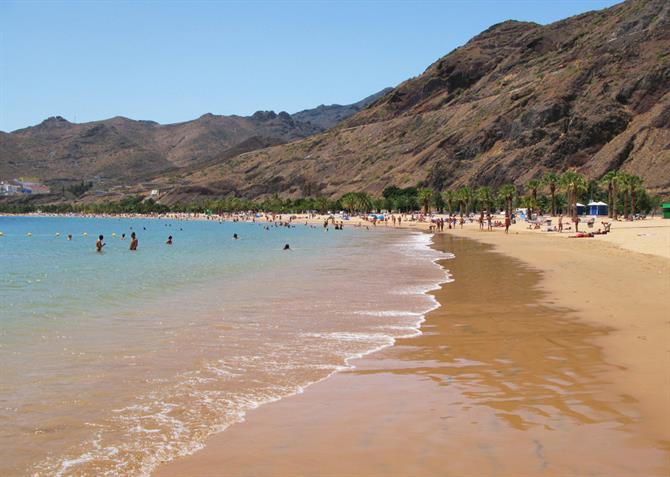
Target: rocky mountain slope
x=124 y=151
x=326 y=117
x=591 y=92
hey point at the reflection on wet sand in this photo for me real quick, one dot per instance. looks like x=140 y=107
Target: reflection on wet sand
x=507 y=359
x=503 y=346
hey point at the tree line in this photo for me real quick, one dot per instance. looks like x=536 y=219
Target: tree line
x=554 y=193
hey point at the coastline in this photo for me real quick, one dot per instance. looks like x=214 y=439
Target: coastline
x=368 y=413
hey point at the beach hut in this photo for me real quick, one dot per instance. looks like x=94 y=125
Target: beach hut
x=581 y=209
x=666 y=210
x=597 y=208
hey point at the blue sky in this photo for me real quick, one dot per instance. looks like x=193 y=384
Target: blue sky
x=174 y=61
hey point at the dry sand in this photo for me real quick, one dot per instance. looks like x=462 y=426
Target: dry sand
x=548 y=357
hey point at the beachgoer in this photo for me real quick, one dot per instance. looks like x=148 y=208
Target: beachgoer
x=235 y=237
x=123 y=236
x=507 y=223
x=69 y=236
x=169 y=240
x=99 y=244
x=133 y=242
x=287 y=247
x=560 y=223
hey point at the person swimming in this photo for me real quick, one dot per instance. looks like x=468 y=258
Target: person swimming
x=133 y=242
x=169 y=240
x=235 y=237
x=287 y=247
x=69 y=236
x=99 y=244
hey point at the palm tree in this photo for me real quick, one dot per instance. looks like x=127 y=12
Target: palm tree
x=527 y=203
x=322 y=204
x=348 y=201
x=532 y=186
x=448 y=196
x=465 y=196
x=485 y=196
x=611 y=182
x=623 y=179
x=552 y=180
x=364 y=202
x=507 y=193
x=572 y=183
x=425 y=197
x=634 y=185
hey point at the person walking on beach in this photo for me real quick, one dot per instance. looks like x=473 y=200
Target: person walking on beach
x=133 y=242
x=99 y=244
x=560 y=223
x=507 y=222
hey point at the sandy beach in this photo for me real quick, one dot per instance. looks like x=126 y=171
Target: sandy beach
x=547 y=357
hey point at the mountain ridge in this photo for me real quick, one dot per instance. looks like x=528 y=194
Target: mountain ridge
x=121 y=150
x=590 y=92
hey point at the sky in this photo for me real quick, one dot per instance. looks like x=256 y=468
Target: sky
x=172 y=61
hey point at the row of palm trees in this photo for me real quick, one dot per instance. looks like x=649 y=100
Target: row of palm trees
x=630 y=185
x=570 y=182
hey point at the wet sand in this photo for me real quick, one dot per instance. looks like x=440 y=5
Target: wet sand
x=564 y=372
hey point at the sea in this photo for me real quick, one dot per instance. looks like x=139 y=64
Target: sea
x=112 y=363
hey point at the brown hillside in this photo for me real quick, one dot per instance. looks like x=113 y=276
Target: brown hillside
x=591 y=91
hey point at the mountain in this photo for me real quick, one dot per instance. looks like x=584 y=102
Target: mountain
x=590 y=92
x=326 y=117
x=124 y=151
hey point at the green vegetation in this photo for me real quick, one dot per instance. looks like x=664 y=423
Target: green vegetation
x=78 y=190
x=622 y=191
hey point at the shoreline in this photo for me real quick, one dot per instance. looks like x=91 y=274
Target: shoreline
x=414 y=246
x=609 y=287
x=257 y=435
x=650 y=236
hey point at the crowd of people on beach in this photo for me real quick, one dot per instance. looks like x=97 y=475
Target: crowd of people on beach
x=433 y=222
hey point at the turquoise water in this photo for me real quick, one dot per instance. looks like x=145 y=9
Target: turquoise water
x=49 y=277
x=114 y=362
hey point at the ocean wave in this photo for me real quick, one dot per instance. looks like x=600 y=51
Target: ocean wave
x=177 y=418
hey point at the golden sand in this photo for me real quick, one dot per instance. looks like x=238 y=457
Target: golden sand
x=548 y=357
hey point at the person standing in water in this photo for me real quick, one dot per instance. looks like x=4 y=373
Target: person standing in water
x=169 y=240
x=99 y=244
x=133 y=242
